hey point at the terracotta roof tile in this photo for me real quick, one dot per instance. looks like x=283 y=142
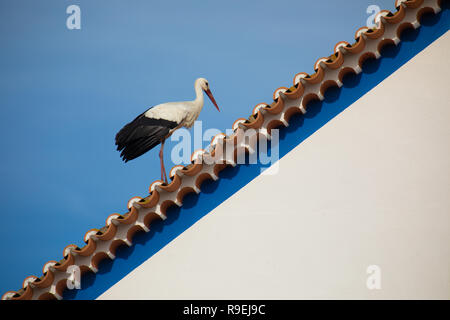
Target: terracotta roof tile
x=329 y=71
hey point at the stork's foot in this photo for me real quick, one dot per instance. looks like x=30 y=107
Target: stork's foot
x=164 y=177
x=163 y=174
x=163 y=169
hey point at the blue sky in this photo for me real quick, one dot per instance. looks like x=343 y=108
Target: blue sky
x=65 y=93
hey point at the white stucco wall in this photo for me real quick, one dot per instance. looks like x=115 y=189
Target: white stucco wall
x=369 y=188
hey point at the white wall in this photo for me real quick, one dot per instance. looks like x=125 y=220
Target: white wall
x=369 y=188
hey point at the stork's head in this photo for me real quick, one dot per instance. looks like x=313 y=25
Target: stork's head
x=204 y=84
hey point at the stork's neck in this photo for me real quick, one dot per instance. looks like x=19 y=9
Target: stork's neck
x=199 y=95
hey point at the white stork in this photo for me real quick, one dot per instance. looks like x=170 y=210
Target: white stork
x=156 y=124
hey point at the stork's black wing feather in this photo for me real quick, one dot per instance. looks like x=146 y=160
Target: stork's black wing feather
x=141 y=135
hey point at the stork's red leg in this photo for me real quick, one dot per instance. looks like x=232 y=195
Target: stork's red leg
x=161 y=158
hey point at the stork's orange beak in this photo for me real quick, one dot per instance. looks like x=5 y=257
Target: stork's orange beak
x=211 y=97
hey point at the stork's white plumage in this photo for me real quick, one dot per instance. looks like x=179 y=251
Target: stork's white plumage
x=156 y=124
